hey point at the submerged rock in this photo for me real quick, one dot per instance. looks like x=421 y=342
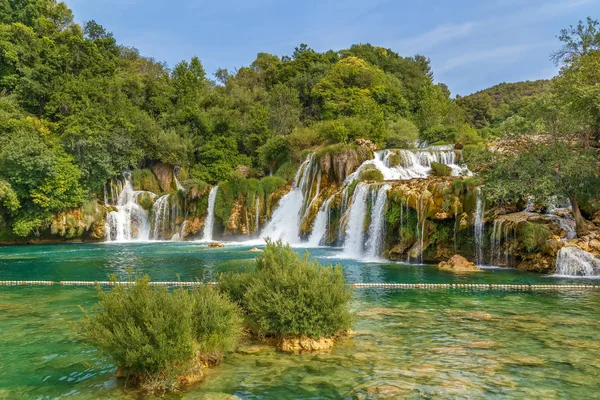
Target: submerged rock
x=216 y=245
x=255 y=250
x=305 y=344
x=458 y=264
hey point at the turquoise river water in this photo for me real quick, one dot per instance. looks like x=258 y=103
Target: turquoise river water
x=408 y=343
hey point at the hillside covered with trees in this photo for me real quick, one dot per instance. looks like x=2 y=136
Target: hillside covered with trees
x=77 y=109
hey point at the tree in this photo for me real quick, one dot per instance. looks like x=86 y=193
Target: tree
x=578 y=41
x=578 y=86
x=546 y=170
x=284 y=109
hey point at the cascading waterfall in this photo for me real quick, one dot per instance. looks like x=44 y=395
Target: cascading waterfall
x=410 y=164
x=354 y=237
x=161 y=221
x=129 y=221
x=257 y=216
x=319 y=230
x=209 y=223
x=479 y=227
x=286 y=219
x=177 y=183
x=376 y=229
x=572 y=261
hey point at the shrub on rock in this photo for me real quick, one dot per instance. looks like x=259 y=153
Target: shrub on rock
x=292 y=296
x=161 y=339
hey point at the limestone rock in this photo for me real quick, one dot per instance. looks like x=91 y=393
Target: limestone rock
x=305 y=344
x=215 y=245
x=164 y=175
x=255 y=250
x=458 y=264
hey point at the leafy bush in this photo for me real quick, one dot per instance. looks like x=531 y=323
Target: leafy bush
x=289 y=295
x=534 y=236
x=402 y=133
x=144 y=179
x=370 y=174
x=467 y=135
x=216 y=323
x=440 y=169
x=156 y=336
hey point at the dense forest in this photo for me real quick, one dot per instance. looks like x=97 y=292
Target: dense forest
x=77 y=109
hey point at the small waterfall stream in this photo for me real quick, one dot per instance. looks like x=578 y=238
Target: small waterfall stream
x=319 y=229
x=375 y=243
x=479 y=227
x=209 y=223
x=357 y=212
x=130 y=220
x=161 y=216
x=286 y=219
x=572 y=261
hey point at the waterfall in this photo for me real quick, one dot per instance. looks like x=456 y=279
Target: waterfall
x=257 y=216
x=572 y=261
x=376 y=229
x=319 y=230
x=354 y=239
x=161 y=217
x=410 y=164
x=479 y=227
x=179 y=236
x=129 y=221
x=210 y=216
x=286 y=219
x=177 y=183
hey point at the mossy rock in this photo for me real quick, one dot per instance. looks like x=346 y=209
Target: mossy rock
x=144 y=179
x=371 y=174
x=438 y=169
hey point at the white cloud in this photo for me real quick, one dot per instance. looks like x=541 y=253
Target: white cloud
x=507 y=54
x=439 y=35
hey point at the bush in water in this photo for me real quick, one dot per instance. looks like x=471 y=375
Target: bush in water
x=289 y=295
x=159 y=338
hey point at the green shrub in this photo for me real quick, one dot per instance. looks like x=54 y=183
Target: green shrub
x=216 y=323
x=370 y=174
x=144 y=179
x=534 y=236
x=401 y=133
x=477 y=156
x=156 y=336
x=287 y=171
x=467 y=135
x=289 y=295
x=438 y=169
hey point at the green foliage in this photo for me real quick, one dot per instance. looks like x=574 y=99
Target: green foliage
x=216 y=323
x=289 y=295
x=370 y=174
x=401 y=133
x=442 y=233
x=467 y=135
x=477 y=156
x=148 y=331
x=533 y=237
x=492 y=106
x=144 y=179
x=438 y=169
x=155 y=335
x=8 y=197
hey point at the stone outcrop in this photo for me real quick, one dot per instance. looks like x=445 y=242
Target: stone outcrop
x=216 y=245
x=305 y=344
x=458 y=264
x=164 y=175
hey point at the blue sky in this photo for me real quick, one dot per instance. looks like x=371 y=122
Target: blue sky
x=472 y=44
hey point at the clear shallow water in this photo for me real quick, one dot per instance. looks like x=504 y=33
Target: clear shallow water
x=414 y=344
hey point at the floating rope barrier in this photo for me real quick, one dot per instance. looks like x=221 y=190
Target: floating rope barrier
x=420 y=286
